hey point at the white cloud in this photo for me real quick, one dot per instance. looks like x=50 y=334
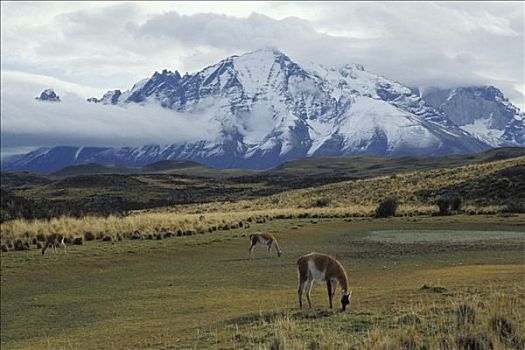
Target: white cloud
x=27 y=122
x=112 y=45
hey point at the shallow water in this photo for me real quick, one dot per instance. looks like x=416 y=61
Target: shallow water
x=412 y=236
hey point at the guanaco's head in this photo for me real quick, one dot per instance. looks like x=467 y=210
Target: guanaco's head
x=345 y=299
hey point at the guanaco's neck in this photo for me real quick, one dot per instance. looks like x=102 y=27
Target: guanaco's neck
x=342 y=278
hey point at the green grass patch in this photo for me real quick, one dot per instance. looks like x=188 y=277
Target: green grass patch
x=202 y=291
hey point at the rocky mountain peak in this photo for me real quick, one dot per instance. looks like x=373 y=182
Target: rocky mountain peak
x=48 y=95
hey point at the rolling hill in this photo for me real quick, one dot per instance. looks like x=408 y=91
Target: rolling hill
x=177 y=183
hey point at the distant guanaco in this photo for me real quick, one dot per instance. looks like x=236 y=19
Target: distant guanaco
x=264 y=238
x=322 y=268
x=54 y=241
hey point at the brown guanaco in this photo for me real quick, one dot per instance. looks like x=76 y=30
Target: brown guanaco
x=322 y=268
x=54 y=241
x=266 y=239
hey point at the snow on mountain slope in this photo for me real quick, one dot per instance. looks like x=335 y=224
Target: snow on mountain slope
x=481 y=129
x=270 y=109
x=399 y=127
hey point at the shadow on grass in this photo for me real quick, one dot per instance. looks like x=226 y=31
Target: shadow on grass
x=247 y=259
x=307 y=314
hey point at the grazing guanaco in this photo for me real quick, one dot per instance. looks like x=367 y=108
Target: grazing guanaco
x=54 y=241
x=264 y=238
x=322 y=268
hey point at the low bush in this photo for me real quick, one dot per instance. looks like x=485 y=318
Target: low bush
x=321 y=203
x=514 y=207
x=89 y=236
x=444 y=206
x=387 y=208
x=21 y=245
x=449 y=203
x=456 y=203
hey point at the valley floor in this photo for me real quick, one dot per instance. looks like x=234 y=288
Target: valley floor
x=202 y=291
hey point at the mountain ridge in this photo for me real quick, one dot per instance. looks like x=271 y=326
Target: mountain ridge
x=268 y=109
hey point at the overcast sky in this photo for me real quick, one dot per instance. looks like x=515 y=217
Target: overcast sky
x=90 y=47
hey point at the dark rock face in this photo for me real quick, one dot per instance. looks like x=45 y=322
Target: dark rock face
x=484 y=111
x=110 y=97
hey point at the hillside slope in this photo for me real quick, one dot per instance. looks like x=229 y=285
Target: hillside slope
x=35 y=196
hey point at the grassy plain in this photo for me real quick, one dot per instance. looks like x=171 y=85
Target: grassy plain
x=201 y=291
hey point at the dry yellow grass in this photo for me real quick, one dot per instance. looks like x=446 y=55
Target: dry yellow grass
x=492 y=322
x=348 y=198
x=356 y=195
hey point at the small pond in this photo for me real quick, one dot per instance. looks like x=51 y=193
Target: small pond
x=414 y=236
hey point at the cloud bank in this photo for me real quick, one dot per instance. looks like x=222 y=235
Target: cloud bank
x=28 y=123
x=112 y=45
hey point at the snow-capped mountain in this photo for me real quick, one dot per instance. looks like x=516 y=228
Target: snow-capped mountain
x=270 y=109
x=48 y=95
x=482 y=111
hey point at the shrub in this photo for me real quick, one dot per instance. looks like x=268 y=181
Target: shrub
x=451 y=202
x=456 y=203
x=514 y=207
x=387 y=207
x=21 y=245
x=443 y=205
x=89 y=236
x=321 y=203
